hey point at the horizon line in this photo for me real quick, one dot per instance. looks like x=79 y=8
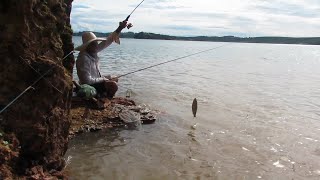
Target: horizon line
x=204 y=35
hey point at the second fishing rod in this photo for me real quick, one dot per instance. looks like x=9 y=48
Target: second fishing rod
x=176 y=59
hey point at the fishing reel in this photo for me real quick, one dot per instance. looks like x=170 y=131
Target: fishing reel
x=129 y=25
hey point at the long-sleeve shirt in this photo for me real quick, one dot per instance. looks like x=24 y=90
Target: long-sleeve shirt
x=88 y=67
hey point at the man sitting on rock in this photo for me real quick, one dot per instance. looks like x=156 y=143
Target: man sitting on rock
x=88 y=63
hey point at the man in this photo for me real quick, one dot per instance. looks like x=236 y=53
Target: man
x=88 y=63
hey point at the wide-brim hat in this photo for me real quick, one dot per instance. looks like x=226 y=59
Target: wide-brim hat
x=87 y=38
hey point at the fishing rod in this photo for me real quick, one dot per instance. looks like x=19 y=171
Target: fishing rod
x=73 y=51
x=172 y=60
x=133 y=11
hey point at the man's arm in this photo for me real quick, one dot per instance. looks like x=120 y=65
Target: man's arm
x=113 y=37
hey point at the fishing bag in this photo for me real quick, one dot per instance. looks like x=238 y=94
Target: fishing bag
x=86 y=91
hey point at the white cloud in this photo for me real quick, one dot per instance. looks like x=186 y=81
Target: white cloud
x=202 y=17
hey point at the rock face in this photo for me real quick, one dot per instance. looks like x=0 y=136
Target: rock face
x=34 y=37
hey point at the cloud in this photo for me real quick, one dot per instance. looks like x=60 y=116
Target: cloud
x=80 y=6
x=159 y=5
x=205 y=17
x=86 y=17
x=181 y=28
x=288 y=8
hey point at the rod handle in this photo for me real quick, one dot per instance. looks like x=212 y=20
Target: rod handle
x=127 y=19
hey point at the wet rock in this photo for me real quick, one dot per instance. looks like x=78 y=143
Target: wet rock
x=121 y=113
x=135 y=108
x=123 y=101
x=150 y=119
x=144 y=111
x=128 y=116
x=80 y=131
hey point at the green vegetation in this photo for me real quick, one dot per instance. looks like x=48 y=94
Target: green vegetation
x=5 y=143
x=271 y=40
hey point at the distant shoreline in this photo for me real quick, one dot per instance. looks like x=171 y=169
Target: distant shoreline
x=266 y=40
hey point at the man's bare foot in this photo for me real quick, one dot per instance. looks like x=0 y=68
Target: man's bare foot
x=103 y=102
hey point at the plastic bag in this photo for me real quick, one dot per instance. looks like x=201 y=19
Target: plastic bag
x=86 y=91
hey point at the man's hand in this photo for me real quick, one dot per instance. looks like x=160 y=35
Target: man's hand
x=115 y=79
x=108 y=77
x=111 y=78
x=123 y=24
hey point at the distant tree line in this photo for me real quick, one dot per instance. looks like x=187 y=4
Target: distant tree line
x=271 y=40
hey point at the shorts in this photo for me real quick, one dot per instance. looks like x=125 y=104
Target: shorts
x=101 y=88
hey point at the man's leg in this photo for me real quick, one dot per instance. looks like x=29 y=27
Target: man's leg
x=111 y=88
x=106 y=90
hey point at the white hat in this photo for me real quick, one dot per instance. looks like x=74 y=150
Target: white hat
x=87 y=38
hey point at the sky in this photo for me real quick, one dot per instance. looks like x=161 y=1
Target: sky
x=244 y=18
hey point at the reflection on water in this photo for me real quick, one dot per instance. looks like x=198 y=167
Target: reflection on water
x=258 y=114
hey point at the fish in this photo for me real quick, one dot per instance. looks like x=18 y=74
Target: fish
x=194 y=107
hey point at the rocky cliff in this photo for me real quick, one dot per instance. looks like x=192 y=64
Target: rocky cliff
x=34 y=37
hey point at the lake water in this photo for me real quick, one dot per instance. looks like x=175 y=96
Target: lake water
x=258 y=114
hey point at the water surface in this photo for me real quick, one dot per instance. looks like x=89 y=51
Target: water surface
x=258 y=114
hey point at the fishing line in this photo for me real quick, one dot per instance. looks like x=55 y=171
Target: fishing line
x=173 y=60
x=133 y=11
x=30 y=87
